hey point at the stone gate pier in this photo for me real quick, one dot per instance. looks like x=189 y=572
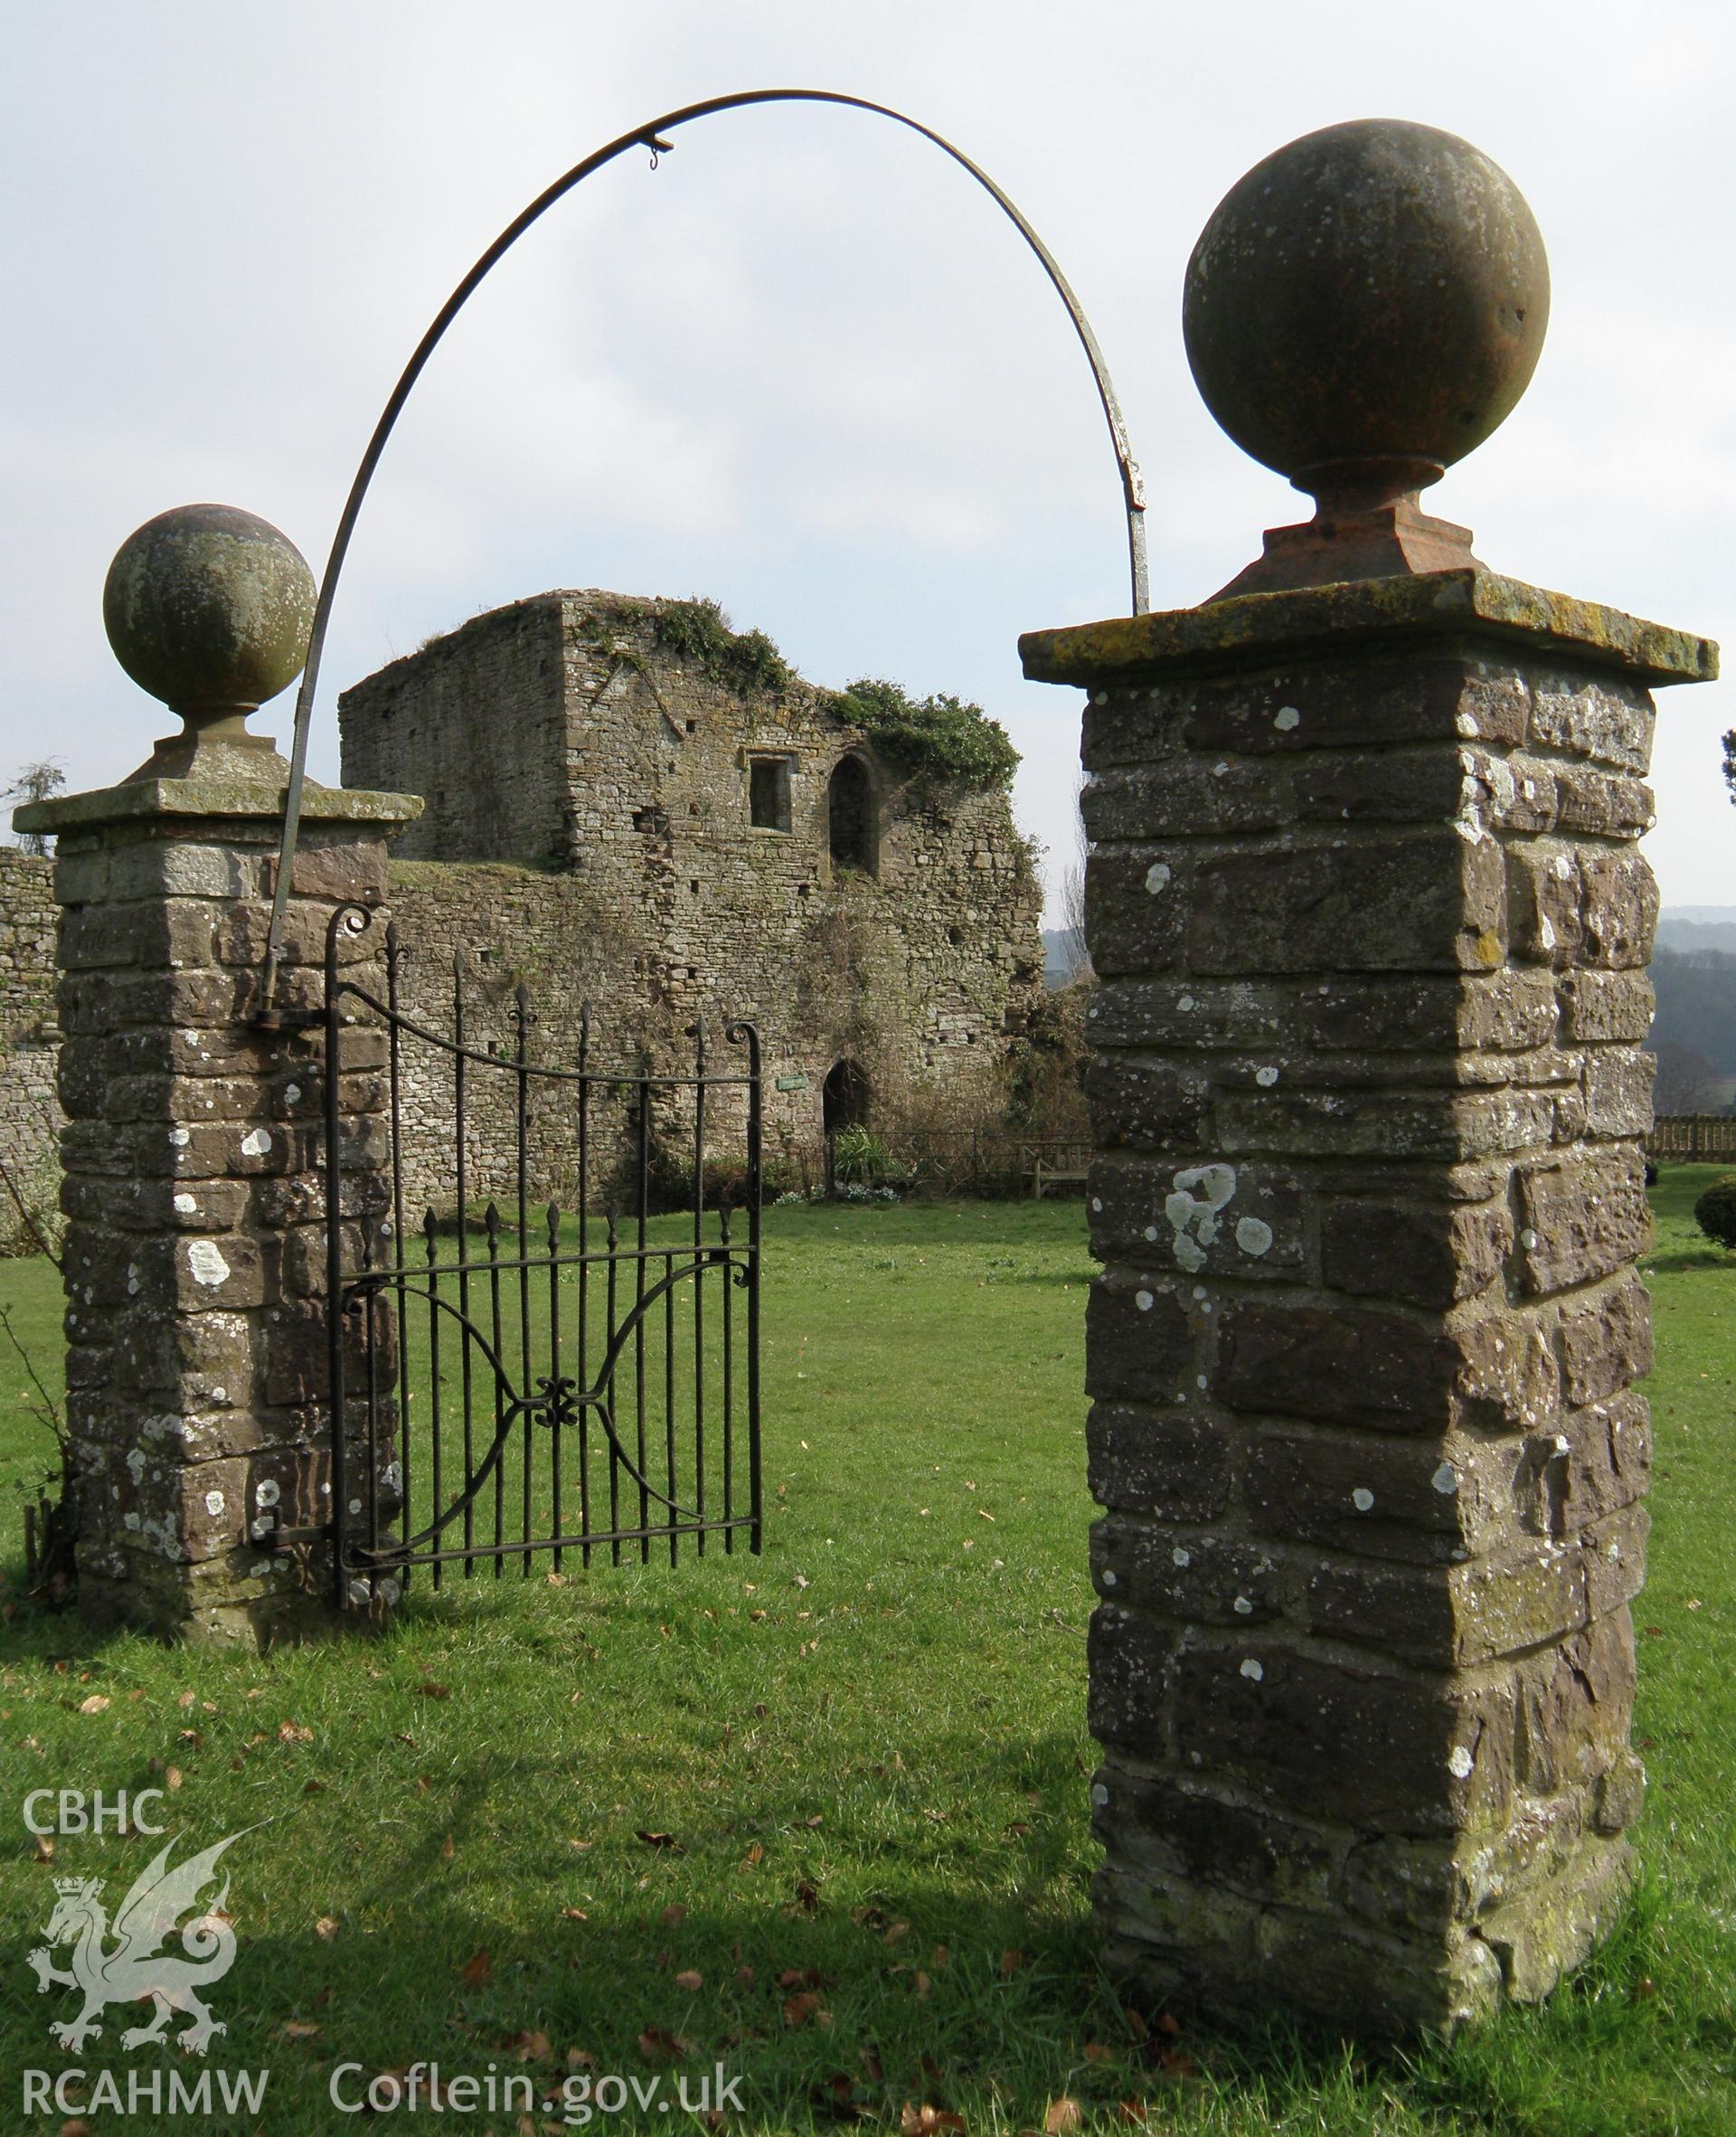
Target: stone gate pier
x=1368 y=1097
x=195 y=1251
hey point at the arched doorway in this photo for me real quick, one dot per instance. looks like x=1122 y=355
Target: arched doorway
x=844 y=1101
x=850 y=815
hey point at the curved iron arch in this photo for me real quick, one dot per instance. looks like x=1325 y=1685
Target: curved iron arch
x=645 y=136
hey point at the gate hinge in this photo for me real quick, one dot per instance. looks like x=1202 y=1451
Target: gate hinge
x=277 y=1538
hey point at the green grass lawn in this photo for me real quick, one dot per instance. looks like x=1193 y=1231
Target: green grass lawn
x=866 y=1749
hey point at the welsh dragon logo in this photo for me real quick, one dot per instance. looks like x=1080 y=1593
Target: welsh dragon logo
x=133 y=1970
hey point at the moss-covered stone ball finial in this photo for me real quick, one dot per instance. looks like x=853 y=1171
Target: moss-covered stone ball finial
x=209 y=608
x=1363 y=308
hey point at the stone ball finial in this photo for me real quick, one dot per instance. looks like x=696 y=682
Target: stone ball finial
x=209 y=608
x=1365 y=306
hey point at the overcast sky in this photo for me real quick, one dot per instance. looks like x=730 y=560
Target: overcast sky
x=803 y=366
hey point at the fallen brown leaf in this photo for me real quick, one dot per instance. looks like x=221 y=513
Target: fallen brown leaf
x=530 y=2047
x=658 y=2045
x=1063 y=2115
x=574 y=1915
x=666 y=1840
x=672 y=1914
x=294 y=1732
x=447 y=1849
x=77 y=2127
x=298 y=2029
x=927 y=2122
x=1095 y=2052
x=186 y=1699
x=807 y=1898
x=898 y=1931
x=1011 y=1961
x=869 y=2057
x=429 y=1690
x=477 y=1970
x=690 y=1979
x=923 y=1984
x=754 y=1857
x=173 y=1776
x=45 y=1849
x=325 y=1929
x=744 y=1977
x=804 y=2010
x=95 y=1704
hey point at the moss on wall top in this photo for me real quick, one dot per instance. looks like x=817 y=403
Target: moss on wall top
x=939 y=737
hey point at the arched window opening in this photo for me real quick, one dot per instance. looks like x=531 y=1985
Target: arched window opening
x=850 y=800
x=843 y=1101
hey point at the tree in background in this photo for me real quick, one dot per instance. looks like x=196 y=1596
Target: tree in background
x=1686 y=1081
x=36 y=782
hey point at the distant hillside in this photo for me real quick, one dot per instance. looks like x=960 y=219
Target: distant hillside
x=1698 y=927
x=1694 y=1034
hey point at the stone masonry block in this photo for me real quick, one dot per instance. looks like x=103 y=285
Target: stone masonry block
x=1575 y=1702
x=1618 y=913
x=1139 y=1342
x=1129 y=1659
x=1188 y=799
x=1619 y=1092
x=1202 y=1580
x=1349 y=1365
x=1429 y=902
x=1154 y=1461
x=1187 y=1830
x=1606 y=1341
x=1136 y=911
x=1364 y=1747
x=1502 y=1012
x=1453 y=1618
x=1605 y=1006
x=1425 y=1254
x=1583 y=1219
x=1426 y=1502
x=1143 y=1103
x=1347 y=704
x=1606 y=720
x=1193 y=1218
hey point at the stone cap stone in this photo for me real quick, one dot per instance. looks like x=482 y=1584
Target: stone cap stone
x=1256 y=629
x=140 y=800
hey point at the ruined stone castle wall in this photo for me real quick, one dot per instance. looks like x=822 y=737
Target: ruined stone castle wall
x=667 y=905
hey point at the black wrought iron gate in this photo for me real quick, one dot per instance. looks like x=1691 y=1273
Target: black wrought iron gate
x=520 y=1370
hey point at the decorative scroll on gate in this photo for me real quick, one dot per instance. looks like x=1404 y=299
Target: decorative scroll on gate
x=520 y=1369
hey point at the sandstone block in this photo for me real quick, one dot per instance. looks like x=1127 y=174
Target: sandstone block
x=1151 y=1461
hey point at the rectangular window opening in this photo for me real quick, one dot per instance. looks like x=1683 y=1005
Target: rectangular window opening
x=768 y=793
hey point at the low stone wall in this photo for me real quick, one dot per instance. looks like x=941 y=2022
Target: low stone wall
x=30 y=1111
